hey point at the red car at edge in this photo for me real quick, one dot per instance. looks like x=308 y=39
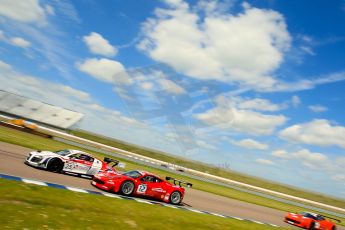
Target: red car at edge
x=140 y=183
x=310 y=221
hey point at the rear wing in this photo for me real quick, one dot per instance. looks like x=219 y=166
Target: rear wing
x=110 y=160
x=179 y=182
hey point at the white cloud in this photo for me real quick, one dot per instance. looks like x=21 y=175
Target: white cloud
x=257 y=104
x=251 y=144
x=309 y=159
x=171 y=87
x=315 y=161
x=23 y=11
x=2 y=36
x=21 y=42
x=99 y=45
x=312 y=160
x=49 y=9
x=295 y=101
x=264 y=161
x=339 y=178
x=15 y=41
x=146 y=85
x=4 y=67
x=304 y=84
x=218 y=46
x=28 y=85
x=151 y=79
x=318 y=132
x=281 y=154
x=205 y=145
x=226 y=116
x=308 y=50
x=64 y=96
x=317 y=108
x=105 y=70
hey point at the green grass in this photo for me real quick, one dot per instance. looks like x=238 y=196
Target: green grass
x=212 y=170
x=36 y=142
x=25 y=206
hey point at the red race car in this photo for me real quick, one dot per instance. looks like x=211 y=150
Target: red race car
x=141 y=183
x=310 y=221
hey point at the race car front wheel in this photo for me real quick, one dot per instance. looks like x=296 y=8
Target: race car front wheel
x=55 y=165
x=127 y=188
x=175 y=197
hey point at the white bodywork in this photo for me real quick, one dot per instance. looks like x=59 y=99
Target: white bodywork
x=71 y=159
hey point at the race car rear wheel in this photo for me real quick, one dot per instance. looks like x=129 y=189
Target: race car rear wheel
x=55 y=165
x=127 y=188
x=175 y=197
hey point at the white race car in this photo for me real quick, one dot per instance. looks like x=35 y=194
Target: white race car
x=73 y=161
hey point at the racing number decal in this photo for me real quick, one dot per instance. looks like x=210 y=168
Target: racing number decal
x=142 y=188
x=70 y=165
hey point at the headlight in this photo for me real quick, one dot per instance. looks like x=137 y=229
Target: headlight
x=36 y=158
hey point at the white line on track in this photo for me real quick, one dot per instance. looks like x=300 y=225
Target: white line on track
x=111 y=195
x=194 y=210
x=34 y=182
x=216 y=214
x=142 y=201
x=76 y=189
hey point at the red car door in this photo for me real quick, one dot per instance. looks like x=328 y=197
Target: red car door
x=150 y=186
x=158 y=191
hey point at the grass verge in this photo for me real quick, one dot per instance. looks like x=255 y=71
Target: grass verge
x=36 y=142
x=25 y=206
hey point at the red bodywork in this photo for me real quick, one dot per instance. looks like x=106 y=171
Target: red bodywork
x=309 y=220
x=155 y=188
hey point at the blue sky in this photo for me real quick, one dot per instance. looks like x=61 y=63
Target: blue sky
x=254 y=86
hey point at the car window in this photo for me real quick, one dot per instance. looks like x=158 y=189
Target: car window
x=74 y=156
x=147 y=179
x=86 y=157
x=310 y=216
x=63 y=152
x=132 y=174
x=157 y=180
x=151 y=179
x=319 y=217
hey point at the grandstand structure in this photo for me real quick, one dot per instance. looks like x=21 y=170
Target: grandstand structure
x=21 y=107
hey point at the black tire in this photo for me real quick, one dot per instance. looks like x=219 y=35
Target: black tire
x=175 y=197
x=334 y=228
x=55 y=165
x=127 y=188
x=311 y=226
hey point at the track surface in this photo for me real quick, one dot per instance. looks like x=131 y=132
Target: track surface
x=13 y=156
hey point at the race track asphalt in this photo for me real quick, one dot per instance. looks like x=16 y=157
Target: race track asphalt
x=12 y=162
